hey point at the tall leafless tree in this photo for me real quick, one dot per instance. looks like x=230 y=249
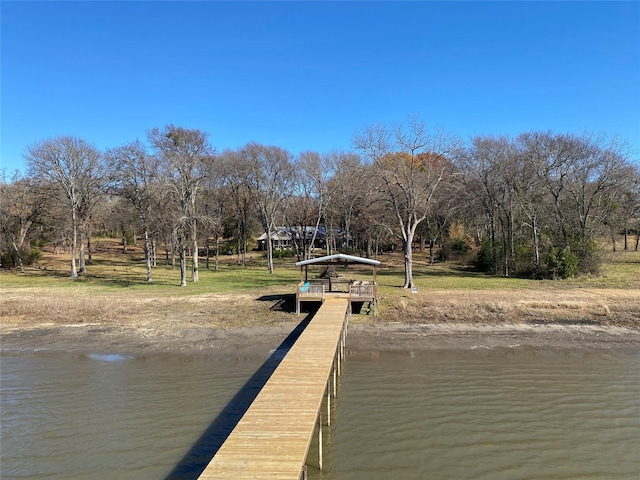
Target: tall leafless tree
x=72 y=165
x=350 y=186
x=216 y=197
x=269 y=178
x=310 y=196
x=234 y=172
x=410 y=162
x=136 y=175
x=184 y=154
x=21 y=211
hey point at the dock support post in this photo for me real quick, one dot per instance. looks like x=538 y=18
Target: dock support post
x=328 y=404
x=320 y=439
x=334 y=379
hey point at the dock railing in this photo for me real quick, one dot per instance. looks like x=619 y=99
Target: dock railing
x=309 y=291
x=362 y=290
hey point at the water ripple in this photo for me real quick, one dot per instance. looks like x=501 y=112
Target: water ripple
x=488 y=416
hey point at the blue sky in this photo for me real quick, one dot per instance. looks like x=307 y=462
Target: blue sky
x=308 y=75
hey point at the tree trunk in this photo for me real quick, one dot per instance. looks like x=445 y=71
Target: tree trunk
x=536 y=247
x=154 y=250
x=81 y=263
x=626 y=236
x=18 y=256
x=432 y=251
x=505 y=251
x=195 y=275
x=183 y=262
x=217 y=261
x=207 y=250
x=147 y=253
x=494 y=246
x=315 y=232
x=89 y=248
x=269 y=254
x=74 y=243
x=245 y=242
x=612 y=232
x=124 y=239
x=408 y=262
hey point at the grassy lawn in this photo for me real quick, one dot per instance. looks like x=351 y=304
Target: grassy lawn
x=115 y=288
x=123 y=273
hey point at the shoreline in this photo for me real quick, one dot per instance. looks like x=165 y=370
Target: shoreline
x=260 y=341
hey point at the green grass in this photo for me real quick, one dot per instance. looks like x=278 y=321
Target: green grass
x=117 y=272
x=165 y=279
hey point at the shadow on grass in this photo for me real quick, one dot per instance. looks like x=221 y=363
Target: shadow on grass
x=191 y=466
x=437 y=270
x=286 y=303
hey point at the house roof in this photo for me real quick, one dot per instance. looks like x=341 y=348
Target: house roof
x=337 y=258
x=279 y=234
x=297 y=232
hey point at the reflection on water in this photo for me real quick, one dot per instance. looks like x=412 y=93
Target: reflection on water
x=504 y=414
x=107 y=357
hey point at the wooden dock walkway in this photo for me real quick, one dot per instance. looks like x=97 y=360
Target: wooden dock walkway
x=273 y=437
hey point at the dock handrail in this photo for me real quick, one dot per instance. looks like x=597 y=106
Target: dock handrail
x=309 y=291
x=361 y=289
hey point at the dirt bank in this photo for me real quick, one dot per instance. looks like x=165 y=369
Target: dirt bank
x=259 y=341
x=239 y=325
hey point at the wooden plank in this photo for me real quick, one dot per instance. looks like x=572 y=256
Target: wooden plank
x=273 y=437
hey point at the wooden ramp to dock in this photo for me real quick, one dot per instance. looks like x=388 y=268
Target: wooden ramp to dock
x=273 y=437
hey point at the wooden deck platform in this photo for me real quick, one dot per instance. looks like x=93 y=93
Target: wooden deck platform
x=273 y=437
x=313 y=291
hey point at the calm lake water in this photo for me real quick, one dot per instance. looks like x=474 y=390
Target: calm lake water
x=473 y=414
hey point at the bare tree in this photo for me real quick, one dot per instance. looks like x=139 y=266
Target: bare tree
x=235 y=171
x=350 y=187
x=310 y=196
x=72 y=165
x=184 y=154
x=216 y=197
x=409 y=163
x=503 y=177
x=93 y=187
x=21 y=210
x=622 y=204
x=136 y=175
x=269 y=179
x=529 y=187
x=597 y=163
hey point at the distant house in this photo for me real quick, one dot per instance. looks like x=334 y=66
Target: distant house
x=281 y=238
x=284 y=237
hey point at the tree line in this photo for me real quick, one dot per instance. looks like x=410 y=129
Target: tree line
x=531 y=206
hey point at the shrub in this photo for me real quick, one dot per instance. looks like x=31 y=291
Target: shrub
x=284 y=253
x=589 y=259
x=484 y=261
x=562 y=262
x=29 y=256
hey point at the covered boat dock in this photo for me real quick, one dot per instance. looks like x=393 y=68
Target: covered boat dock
x=334 y=282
